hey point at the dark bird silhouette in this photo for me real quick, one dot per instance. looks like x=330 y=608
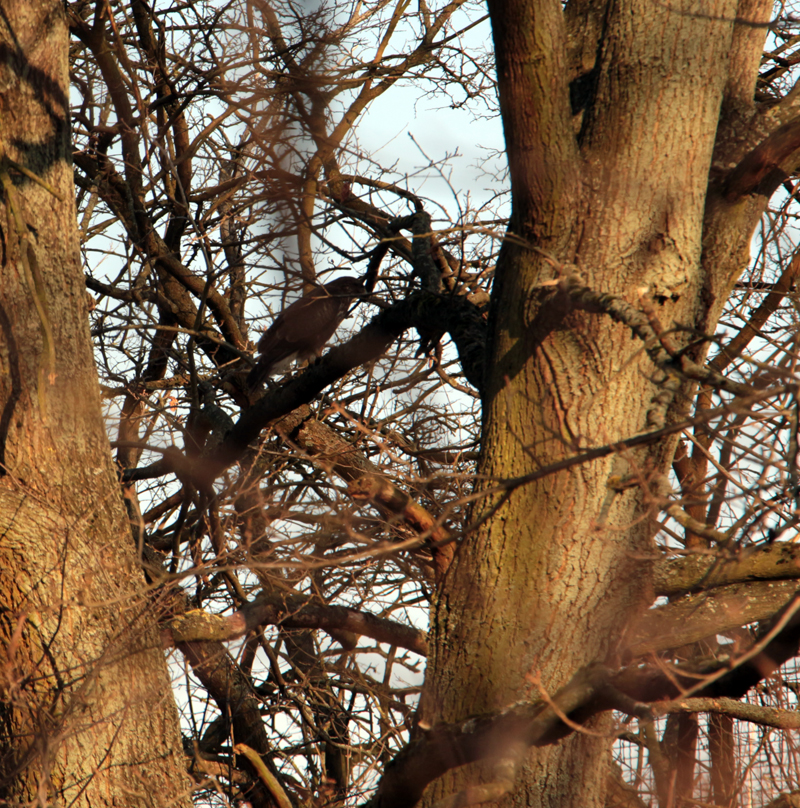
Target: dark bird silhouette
x=301 y=330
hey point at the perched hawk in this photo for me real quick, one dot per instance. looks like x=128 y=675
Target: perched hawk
x=301 y=330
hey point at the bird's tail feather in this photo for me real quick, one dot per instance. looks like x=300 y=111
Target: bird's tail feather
x=258 y=375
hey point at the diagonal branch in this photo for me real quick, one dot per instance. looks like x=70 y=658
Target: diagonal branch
x=367 y=483
x=454 y=314
x=768 y=307
x=233 y=694
x=765 y=162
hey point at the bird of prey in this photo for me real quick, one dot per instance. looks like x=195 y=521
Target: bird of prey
x=301 y=330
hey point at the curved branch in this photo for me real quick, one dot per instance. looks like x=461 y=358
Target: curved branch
x=367 y=482
x=570 y=288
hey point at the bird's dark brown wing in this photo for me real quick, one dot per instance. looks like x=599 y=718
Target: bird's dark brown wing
x=301 y=330
x=304 y=326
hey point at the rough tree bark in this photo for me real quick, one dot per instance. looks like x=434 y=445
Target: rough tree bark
x=86 y=709
x=634 y=200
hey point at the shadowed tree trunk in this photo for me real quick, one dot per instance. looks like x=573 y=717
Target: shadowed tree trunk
x=87 y=715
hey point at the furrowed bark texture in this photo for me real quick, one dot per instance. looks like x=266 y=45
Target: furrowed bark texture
x=86 y=710
x=548 y=583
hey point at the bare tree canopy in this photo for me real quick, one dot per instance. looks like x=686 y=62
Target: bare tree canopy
x=525 y=530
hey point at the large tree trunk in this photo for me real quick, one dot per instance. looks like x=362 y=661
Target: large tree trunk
x=547 y=583
x=87 y=715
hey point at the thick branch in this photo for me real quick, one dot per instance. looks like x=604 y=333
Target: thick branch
x=294 y=612
x=448 y=746
x=765 y=162
x=675 y=576
x=234 y=696
x=696 y=617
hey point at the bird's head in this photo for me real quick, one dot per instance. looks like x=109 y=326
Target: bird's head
x=346 y=286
